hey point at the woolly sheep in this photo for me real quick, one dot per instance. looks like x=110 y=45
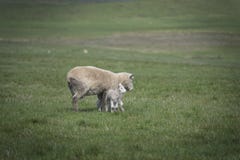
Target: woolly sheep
x=88 y=80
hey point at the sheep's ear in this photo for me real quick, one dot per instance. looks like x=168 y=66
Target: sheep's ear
x=131 y=76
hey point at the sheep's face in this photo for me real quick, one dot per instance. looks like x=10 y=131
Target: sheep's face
x=121 y=88
x=127 y=81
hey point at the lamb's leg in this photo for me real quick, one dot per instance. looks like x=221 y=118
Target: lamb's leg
x=112 y=106
x=115 y=106
x=121 y=106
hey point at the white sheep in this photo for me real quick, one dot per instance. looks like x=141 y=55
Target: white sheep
x=113 y=99
x=88 y=80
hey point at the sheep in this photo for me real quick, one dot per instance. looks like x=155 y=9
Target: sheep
x=89 y=80
x=113 y=98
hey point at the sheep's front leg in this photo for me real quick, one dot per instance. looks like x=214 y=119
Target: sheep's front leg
x=105 y=102
x=100 y=102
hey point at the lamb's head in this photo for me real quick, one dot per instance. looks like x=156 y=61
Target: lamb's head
x=121 y=88
x=126 y=79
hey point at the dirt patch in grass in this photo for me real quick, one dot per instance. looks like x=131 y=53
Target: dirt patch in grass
x=156 y=41
x=148 y=41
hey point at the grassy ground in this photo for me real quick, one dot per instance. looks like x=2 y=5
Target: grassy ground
x=185 y=58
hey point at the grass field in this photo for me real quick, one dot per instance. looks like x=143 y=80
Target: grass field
x=185 y=56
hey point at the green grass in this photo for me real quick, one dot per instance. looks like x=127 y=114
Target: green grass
x=185 y=58
x=39 y=19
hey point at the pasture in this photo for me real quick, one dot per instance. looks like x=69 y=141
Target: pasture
x=185 y=56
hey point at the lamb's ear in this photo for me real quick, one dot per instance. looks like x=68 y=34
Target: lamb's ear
x=131 y=76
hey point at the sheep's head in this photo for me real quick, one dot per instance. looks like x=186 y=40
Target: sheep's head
x=126 y=79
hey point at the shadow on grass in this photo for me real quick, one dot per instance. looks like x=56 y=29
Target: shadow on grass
x=87 y=110
x=82 y=110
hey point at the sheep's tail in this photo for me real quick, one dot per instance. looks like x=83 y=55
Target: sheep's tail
x=70 y=85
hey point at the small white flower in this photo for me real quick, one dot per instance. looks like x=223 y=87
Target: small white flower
x=85 y=51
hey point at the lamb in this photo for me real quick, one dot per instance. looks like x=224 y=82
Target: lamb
x=113 y=98
x=88 y=80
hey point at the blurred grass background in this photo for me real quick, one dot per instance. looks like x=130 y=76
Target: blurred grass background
x=185 y=58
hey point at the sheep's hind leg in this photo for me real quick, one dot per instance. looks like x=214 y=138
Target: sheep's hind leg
x=75 y=99
x=78 y=90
